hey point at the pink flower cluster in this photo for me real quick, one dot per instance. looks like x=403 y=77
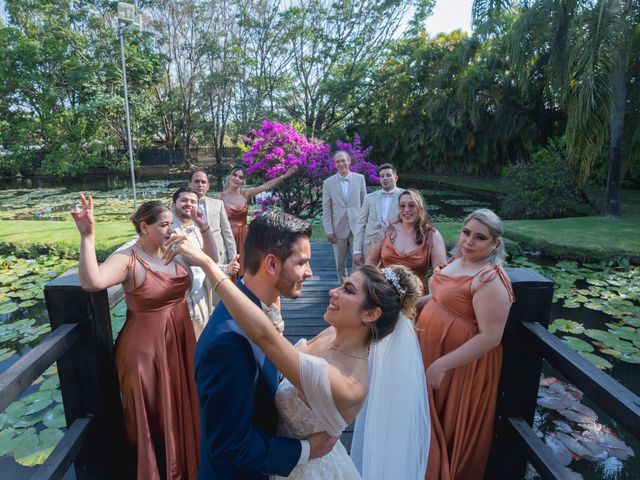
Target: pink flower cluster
x=277 y=146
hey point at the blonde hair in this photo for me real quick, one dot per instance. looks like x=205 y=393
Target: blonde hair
x=492 y=221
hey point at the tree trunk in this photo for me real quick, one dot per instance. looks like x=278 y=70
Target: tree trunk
x=614 y=179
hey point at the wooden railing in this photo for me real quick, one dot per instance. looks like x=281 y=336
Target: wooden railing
x=81 y=342
x=526 y=342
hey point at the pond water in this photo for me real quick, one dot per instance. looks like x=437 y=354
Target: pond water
x=596 y=311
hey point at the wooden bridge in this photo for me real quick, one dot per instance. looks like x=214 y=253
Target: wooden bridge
x=81 y=342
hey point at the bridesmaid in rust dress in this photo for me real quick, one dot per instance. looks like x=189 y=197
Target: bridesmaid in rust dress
x=412 y=241
x=154 y=351
x=459 y=330
x=236 y=204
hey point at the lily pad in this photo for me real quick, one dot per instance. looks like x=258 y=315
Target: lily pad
x=50 y=383
x=568 y=326
x=27 y=303
x=36 y=402
x=598 y=361
x=6 y=353
x=54 y=418
x=9 y=307
x=577 y=344
x=630 y=358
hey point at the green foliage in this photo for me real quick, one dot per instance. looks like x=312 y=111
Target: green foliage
x=544 y=187
x=450 y=104
x=61 y=107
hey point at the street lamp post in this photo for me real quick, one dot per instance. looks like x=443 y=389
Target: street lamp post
x=126 y=15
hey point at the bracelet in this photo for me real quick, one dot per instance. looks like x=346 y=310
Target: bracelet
x=206 y=229
x=215 y=286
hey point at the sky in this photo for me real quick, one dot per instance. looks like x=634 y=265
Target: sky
x=449 y=15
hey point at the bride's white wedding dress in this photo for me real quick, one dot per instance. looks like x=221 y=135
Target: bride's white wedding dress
x=392 y=432
x=298 y=420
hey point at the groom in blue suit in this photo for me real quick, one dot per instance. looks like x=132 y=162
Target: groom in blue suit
x=236 y=382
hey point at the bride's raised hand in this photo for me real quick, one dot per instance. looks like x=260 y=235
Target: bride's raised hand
x=83 y=216
x=180 y=245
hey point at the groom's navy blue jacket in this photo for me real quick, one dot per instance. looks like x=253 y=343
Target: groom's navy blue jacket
x=236 y=389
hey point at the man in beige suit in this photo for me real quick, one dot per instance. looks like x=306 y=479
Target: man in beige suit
x=378 y=210
x=216 y=216
x=342 y=197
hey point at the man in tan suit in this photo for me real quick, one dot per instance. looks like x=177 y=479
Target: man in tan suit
x=378 y=210
x=216 y=216
x=342 y=197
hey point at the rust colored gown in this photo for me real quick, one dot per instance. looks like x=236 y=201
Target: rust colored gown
x=463 y=408
x=154 y=359
x=418 y=259
x=239 y=228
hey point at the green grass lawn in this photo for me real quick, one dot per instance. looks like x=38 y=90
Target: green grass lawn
x=29 y=238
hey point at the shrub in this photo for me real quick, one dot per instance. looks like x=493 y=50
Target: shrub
x=545 y=187
x=277 y=146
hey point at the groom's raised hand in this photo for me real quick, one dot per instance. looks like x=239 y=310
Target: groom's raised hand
x=320 y=444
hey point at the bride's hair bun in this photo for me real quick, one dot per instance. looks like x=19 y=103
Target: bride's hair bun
x=394 y=290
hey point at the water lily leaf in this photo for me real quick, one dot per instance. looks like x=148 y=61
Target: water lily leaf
x=632 y=321
x=631 y=357
x=593 y=305
x=30 y=455
x=27 y=303
x=596 y=282
x=36 y=402
x=50 y=383
x=6 y=353
x=56 y=395
x=598 y=361
x=577 y=344
x=570 y=304
x=6 y=440
x=610 y=351
x=14 y=411
x=568 y=326
x=9 y=307
x=54 y=418
x=626 y=333
x=49 y=437
x=600 y=335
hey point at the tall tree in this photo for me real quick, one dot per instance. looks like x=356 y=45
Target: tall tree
x=587 y=47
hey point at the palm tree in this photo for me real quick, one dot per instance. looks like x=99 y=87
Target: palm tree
x=587 y=46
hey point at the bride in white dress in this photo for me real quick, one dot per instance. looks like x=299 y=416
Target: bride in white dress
x=366 y=364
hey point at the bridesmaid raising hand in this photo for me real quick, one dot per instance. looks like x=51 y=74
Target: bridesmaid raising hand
x=236 y=204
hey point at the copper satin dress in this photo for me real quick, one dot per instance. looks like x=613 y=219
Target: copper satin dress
x=418 y=259
x=463 y=408
x=154 y=360
x=239 y=228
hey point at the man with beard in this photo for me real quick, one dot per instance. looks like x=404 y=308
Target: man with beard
x=378 y=210
x=236 y=382
x=189 y=221
x=216 y=216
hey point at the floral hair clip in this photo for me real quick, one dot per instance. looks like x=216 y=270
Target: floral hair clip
x=393 y=278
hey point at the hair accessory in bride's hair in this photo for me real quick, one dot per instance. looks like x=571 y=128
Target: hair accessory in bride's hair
x=394 y=279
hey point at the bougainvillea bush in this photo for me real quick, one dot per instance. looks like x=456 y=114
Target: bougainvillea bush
x=275 y=147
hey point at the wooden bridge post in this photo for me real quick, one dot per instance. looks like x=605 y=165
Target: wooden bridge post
x=88 y=378
x=520 y=376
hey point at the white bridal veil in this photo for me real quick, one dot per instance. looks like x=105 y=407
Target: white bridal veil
x=392 y=431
